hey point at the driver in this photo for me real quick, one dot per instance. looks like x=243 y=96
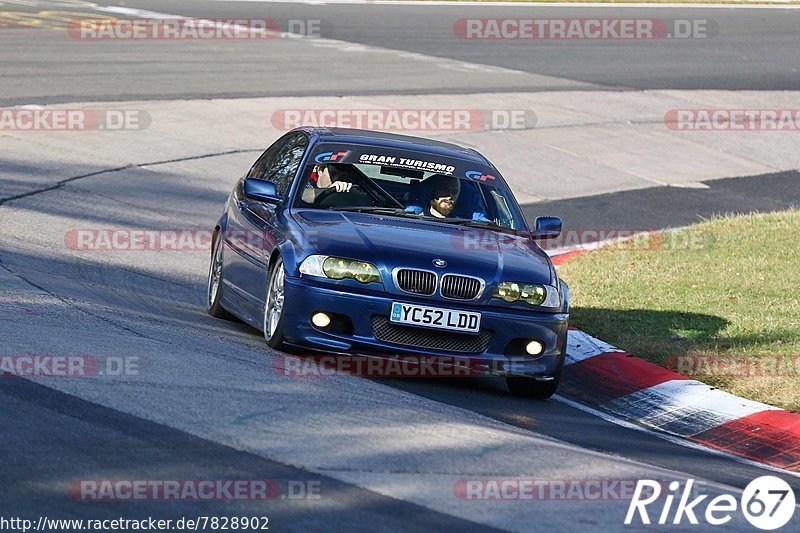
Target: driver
x=328 y=176
x=332 y=175
x=445 y=191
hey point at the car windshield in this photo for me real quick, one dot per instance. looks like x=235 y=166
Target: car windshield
x=402 y=186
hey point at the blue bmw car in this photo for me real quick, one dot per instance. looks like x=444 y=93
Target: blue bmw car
x=355 y=242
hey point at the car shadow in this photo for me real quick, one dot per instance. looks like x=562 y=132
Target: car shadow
x=663 y=336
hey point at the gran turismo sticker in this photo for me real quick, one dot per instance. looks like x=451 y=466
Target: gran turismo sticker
x=402 y=162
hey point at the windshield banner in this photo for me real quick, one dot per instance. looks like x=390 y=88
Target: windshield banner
x=328 y=153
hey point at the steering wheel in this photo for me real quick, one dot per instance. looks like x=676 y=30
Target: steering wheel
x=331 y=198
x=325 y=194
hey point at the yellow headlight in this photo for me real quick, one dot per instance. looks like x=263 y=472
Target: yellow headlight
x=508 y=291
x=533 y=294
x=335 y=267
x=530 y=293
x=366 y=273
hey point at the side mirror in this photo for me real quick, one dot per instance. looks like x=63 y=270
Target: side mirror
x=547 y=228
x=261 y=191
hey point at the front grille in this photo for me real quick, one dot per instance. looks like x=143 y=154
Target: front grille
x=416 y=281
x=445 y=341
x=460 y=287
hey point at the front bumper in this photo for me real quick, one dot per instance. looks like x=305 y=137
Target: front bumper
x=304 y=297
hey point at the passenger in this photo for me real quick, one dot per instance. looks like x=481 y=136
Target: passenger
x=445 y=191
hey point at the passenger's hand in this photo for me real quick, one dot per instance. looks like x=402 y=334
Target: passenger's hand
x=341 y=186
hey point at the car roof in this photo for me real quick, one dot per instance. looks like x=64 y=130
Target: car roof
x=393 y=140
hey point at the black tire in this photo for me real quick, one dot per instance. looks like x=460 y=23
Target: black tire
x=530 y=388
x=274 y=337
x=214 y=291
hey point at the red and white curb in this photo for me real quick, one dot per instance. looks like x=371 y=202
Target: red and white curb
x=609 y=380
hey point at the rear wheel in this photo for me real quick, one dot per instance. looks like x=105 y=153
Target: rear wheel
x=273 y=308
x=214 y=292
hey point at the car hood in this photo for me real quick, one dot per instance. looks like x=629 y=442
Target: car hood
x=390 y=242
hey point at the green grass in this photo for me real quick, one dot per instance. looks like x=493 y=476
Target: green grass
x=718 y=301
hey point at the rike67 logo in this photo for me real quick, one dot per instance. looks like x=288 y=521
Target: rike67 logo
x=767 y=503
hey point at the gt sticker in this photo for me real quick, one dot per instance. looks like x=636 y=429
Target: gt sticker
x=476 y=175
x=327 y=157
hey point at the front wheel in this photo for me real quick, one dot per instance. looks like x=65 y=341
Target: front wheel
x=531 y=388
x=214 y=292
x=273 y=308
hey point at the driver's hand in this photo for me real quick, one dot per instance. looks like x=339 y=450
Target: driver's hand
x=341 y=186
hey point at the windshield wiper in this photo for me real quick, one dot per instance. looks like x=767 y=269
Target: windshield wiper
x=488 y=224
x=396 y=211
x=400 y=212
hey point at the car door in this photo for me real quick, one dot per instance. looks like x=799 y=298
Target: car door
x=253 y=227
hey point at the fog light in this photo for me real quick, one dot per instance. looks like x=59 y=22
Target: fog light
x=321 y=320
x=534 y=348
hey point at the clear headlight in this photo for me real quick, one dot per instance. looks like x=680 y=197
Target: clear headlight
x=340 y=268
x=530 y=293
x=312 y=265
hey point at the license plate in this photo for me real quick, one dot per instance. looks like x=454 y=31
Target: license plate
x=433 y=317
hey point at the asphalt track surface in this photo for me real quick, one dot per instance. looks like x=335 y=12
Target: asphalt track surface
x=201 y=369
x=750 y=49
x=672 y=207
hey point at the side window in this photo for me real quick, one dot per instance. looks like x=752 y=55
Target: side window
x=288 y=161
x=281 y=162
x=260 y=169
